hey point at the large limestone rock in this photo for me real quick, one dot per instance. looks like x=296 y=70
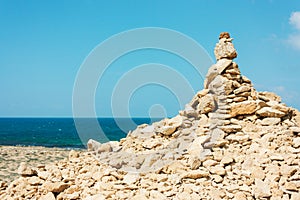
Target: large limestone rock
x=25 y=170
x=206 y=104
x=270 y=112
x=215 y=70
x=269 y=96
x=170 y=125
x=262 y=189
x=55 y=187
x=243 y=108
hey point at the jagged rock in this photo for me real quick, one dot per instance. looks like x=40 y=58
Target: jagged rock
x=189 y=112
x=203 y=121
x=206 y=104
x=221 y=85
x=216 y=135
x=226 y=160
x=245 y=94
x=196 y=148
x=170 y=125
x=56 y=187
x=243 y=108
x=233 y=70
x=34 y=180
x=270 y=121
x=269 y=96
x=202 y=93
x=238 y=137
x=25 y=170
x=194 y=162
x=242 y=89
x=194 y=102
x=130 y=178
x=195 y=174
x=262 y=189
x=174 y=167
x=219 y=116
x=151 y=143
x=208 y=163
x=168 y=130
x=217 y=178
x=216 y=82
x=43 y=174
x=291 y=186
x=231 y=128
x=219 y=170
x=277 y=106
x=246 y=80
x=287 y=171
x=215 y=70
x=239 y=99
x=270 y=112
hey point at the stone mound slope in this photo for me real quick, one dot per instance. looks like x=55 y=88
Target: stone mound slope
x=230 y=142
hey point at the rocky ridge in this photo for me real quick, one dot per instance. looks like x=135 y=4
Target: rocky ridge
x=230 y=142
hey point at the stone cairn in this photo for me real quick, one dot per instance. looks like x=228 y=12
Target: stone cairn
x=230 y=142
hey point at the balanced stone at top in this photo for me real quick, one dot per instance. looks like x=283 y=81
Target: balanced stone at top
x=224 y=48
x=224 y=35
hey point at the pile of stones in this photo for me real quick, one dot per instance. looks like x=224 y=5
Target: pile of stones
x=230 y=142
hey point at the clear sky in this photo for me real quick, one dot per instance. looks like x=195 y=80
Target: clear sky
x=44 y=43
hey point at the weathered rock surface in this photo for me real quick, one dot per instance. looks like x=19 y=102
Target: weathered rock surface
x=225 y=49
x=243 y=108
x=230 y=142
x=170 y=125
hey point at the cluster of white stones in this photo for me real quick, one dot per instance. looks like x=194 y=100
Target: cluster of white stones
x=230 y=142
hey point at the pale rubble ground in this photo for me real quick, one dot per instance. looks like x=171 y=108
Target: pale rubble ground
x=12 y=156
x=230 y=142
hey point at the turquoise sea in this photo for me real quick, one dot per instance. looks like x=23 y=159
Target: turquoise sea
x=56 y=132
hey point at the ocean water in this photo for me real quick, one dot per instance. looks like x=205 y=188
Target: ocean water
x=57 y=132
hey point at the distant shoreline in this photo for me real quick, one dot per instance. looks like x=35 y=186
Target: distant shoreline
x=45 y=147
x=60 y=132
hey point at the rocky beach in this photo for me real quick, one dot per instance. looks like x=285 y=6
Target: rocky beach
x=12 y=156
x=230 y=142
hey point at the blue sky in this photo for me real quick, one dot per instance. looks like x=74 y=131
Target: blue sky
x=44 y=43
